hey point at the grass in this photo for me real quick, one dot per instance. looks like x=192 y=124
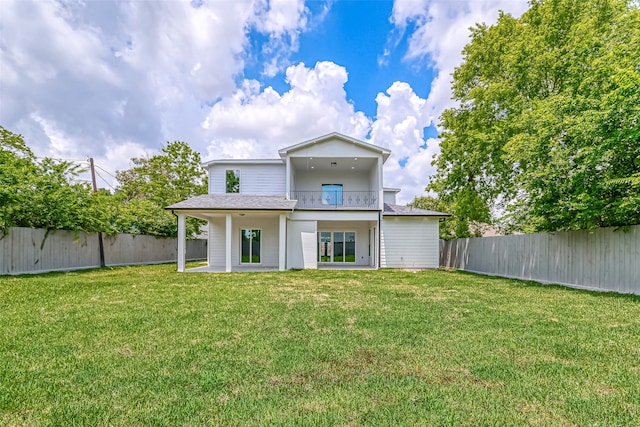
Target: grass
x=148 y=346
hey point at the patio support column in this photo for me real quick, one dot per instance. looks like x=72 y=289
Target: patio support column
x=377 y=245
x=182 y=242
x=227 y=242
x=380 y=185
x=282 y=242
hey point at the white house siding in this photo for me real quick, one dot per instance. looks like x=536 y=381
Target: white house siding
x=269 y=226
x=312 y=181
x=302 y=250
x=409 y=242
x=390 y=197
x=270 y=235
x=255 y=179
x=216 y=247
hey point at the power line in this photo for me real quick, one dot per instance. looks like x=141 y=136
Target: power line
x=105 y=181
x=105 y=171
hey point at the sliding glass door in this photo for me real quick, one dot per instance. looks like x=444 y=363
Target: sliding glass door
x=325 y=248
x=337 y=246
x=250 y=246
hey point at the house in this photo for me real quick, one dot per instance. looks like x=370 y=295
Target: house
x=321 y=204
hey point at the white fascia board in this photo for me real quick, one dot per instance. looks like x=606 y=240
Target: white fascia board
x=287 y=150
x=242 y=162
x=213 y=213
x=334 y=216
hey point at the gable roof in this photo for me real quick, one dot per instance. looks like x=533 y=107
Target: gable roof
x=335 y=135
x=235 y=202
x=397 y=210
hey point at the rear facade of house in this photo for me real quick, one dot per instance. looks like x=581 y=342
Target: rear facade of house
x=322 y=204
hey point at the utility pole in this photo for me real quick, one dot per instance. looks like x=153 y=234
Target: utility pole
x=95 y=190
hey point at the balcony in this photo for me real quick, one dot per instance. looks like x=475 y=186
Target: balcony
x=336 y=199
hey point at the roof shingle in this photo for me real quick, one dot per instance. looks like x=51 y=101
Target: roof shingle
x=235 y=202
x=397 y=210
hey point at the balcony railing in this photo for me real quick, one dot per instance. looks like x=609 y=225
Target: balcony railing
x=336 y=199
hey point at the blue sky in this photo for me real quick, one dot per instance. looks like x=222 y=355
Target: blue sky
x=356 y=35
x=114 y=80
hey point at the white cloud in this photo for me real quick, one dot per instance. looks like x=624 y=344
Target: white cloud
x=255 y=122
x=399 y=125
x=80 y=78
x=283 y=20
x=114 y=80
x=441 y=30
x=281 y=17
x=436 y=31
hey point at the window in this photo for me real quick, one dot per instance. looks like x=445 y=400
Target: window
x=350 y=246
x=337 y=246
x=250 y=246
x=331 y=194
x=324 y=246
x=233 y=180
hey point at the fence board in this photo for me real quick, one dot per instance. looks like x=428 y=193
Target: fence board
x=606 y=259
x=26 y=250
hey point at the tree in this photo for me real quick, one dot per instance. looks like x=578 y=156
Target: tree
x=45 y=193
x=174 y=175
x=156 y=182
x=547 y=130
x=41 y=194
x=458 y=224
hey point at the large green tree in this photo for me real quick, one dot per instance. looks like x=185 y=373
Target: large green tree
x=546 y=134
x=155 y=182
x=45 y=193
x=458 y=224
x=41 y=193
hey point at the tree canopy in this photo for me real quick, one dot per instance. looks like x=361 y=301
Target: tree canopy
x=41 y=193
x=546 y=133
x=46 y=193
x=173 y=175
x=158 y=181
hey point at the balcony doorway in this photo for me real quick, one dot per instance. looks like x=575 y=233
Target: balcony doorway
x=332 y=194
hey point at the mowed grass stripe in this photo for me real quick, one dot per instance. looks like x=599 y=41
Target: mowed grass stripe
x=148 y=346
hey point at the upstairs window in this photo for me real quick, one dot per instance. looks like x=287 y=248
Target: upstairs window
x=332 y=194
x=233 y=181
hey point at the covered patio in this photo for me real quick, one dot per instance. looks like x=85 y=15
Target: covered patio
x=246 y=233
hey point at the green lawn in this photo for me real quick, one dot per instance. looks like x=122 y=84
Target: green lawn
x=147 y=346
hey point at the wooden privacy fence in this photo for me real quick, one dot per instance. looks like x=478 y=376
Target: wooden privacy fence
x=25 y=250
x=605 y=259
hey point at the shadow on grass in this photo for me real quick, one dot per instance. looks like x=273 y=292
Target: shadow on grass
x=541 y=285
